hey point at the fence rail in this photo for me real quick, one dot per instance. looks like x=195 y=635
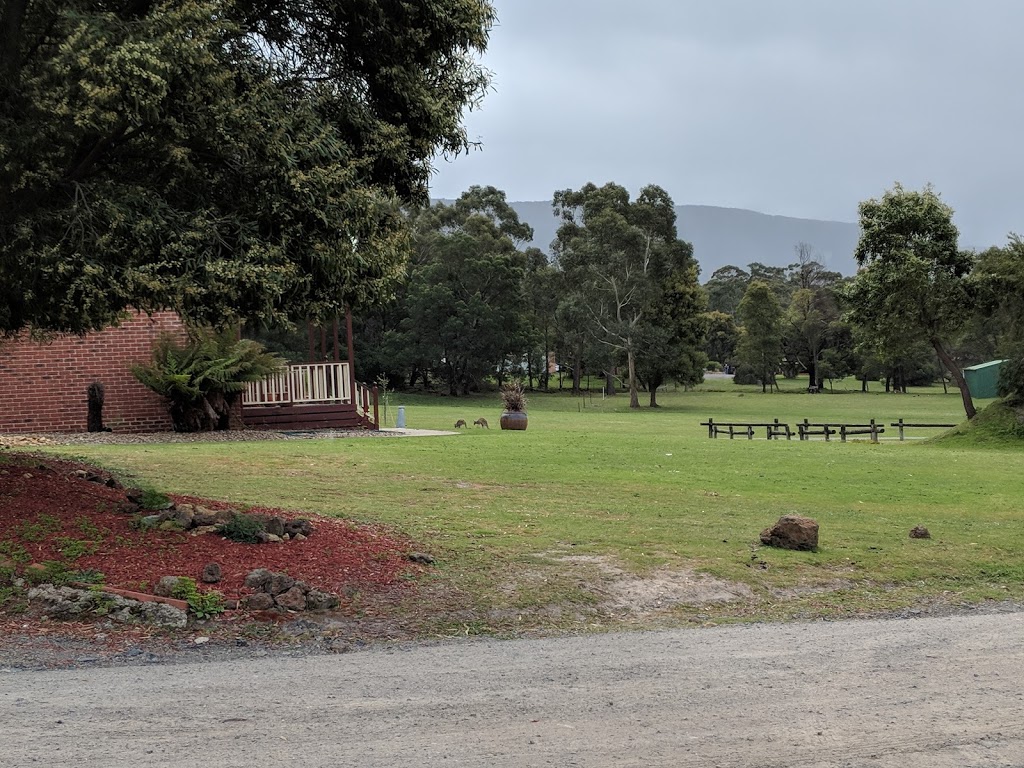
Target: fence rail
x=307 y=383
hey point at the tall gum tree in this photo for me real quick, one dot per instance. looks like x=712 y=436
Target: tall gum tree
x=913 y=283
x=241 y=159
x=622 y=258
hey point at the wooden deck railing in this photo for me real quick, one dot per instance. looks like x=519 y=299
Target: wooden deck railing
x=308 y=383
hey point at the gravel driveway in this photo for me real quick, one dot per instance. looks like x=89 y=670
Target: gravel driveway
x=935 y=692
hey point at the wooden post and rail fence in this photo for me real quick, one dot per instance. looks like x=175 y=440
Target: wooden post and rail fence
x=805 y=430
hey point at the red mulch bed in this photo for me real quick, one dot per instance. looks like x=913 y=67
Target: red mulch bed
x=45 y=499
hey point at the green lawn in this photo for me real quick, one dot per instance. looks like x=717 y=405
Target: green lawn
x=649 y=491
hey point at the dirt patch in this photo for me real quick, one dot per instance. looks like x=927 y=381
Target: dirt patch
x=656 y=592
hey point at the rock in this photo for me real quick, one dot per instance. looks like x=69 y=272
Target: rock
x=420 y=557
x=298 y=537
x=211 y=573
x=169 y=525
x=261 y=601
x=128 y=508
x=258 y=579
x=183 y=516
x=298 y=526
x=204 y=516
x=320 y=601
x=919 y=532
x=303 y=586
x=166 y=586
x=273 y=538
x=135 y=495
x=65 y=602
x=279 y=583
x=274 y=526
x=149 y=521
x=224 y=515
x=292 y=599
x=792 y=532
x=163 y=615
x=201 y=530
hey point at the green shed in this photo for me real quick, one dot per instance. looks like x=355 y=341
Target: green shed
x=983 y=379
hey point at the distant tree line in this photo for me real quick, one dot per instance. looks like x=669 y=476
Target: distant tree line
x=918 y=310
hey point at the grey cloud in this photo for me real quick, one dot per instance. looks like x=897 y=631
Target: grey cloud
x=794 y=107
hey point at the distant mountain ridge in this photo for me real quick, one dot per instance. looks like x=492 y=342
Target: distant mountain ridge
x=722 y=236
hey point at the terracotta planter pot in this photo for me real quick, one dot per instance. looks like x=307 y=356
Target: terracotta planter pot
x=513 y=420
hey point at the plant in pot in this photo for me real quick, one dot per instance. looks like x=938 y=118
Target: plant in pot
x=513 y=400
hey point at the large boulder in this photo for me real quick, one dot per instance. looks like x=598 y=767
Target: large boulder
x=792 y=532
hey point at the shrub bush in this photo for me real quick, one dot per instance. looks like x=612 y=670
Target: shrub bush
x=244 y=529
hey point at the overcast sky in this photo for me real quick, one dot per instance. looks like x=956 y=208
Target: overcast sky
x=792 y=107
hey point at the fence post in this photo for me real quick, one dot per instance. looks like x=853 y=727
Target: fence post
x=900 y=425
x=711 y=428
x=874 y=432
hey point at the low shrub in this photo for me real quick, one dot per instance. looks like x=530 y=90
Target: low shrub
x=244 y=529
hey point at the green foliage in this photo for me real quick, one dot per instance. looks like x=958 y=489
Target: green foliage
x=39 y=528
x=52 y=572
x=225 y=159
x=912 y=286
x=245 y=529
x=722 y=336
x=725 y=288
x=153 y=499
x=73 y=549
x=203 y=379
x=760 y=345
x=632 y=282
x=203 y=605
x=15 y=551
x=463 y=312
x=1011 y=381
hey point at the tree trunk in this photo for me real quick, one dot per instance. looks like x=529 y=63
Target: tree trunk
x=609 y=383
x=634 y=395
x=576 y=389
x=653 y=388
x=958 y=377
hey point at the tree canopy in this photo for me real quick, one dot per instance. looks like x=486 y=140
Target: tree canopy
x=229 y=160
x=760 y=345
x=913 y=283
x=634 y=279
x=463 y=309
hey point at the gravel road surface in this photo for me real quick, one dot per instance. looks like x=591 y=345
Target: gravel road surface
x=932 y=692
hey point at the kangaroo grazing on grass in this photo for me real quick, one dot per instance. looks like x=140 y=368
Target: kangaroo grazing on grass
x=481 y=422
x=461 y=423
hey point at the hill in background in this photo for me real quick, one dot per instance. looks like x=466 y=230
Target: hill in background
x=723 y=236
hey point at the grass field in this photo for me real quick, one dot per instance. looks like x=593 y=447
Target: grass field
x=529 y=522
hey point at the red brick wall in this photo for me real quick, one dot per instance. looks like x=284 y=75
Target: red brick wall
x=43 y=385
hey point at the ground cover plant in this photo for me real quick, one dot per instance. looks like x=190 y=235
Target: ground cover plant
x=538 y=528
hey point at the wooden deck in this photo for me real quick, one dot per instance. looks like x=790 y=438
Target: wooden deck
x=312 y=396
